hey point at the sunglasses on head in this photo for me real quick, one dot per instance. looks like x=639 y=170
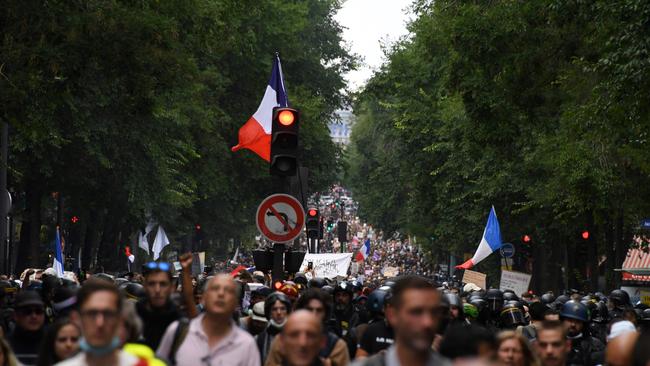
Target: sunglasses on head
x=157 y=266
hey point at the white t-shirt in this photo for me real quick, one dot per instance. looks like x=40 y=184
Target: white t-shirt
x=124 y=359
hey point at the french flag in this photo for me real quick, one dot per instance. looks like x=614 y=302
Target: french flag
x=255 y=134
x=364 y=251
x=57 y=263
x=490 y=242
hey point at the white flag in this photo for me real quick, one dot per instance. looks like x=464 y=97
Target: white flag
x=143 y=242
x=159 y=242
x=234 y=258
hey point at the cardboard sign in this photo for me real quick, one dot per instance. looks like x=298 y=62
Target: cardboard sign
x=391 y=271
x=515 y=281
x=474 y=277
x=328 y=265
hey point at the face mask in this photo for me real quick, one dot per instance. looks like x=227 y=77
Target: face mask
x=277 y=325
x=99 y=351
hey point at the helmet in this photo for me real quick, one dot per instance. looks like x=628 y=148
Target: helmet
x=317 y=282
x=271 y=299
x=620 y=298
x=575 y=310
x=453 y=300
x=494 y=298
x=511 y=316
x=290 y=289
x=103 y=276
x=547 y=299
x=344 y=286
x=600 y=314
x=300 y=279
x=133 y=290
x=359 y=299
x=119 y=281
x=509 y=295
x=646 y=315
x=262 y=291
x=470 y=311
x=327 y=289
x=377 y=300
x=5 y=288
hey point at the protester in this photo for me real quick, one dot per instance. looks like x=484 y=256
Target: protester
x=60 y=343
x=620 y=349
x=28 y=334
x=333 y=352
x=302 y=337
x=414 y=314
x=212 y=338
x=157 y=311
x=277 y=307
x=552 y=345
x=100 y=315
x=513 y=350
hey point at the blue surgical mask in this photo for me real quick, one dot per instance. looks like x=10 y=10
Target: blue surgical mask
x=99 y=351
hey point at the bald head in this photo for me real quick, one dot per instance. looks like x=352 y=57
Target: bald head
x=620 y=349
x=303 y=335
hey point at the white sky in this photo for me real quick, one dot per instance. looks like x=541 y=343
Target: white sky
x=368 y=23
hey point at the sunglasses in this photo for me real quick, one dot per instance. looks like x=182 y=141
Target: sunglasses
x=157 y=266
x=30 y=311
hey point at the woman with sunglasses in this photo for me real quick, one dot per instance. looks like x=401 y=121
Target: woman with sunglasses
x=61 y=342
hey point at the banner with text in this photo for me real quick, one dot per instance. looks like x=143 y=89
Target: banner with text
x=515 y=281
x=328 y=265
x=474 y=277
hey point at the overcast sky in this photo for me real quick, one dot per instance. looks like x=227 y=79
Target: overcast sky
x=367 y=23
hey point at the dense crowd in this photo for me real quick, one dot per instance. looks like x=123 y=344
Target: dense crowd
x=160 y=317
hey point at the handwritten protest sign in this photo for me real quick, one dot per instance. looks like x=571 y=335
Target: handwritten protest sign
x=391 y=271
x=515 y=281
x=328 y=265
x=474 y=277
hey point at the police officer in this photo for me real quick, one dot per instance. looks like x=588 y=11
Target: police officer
x=617 y=302
x=378 y=335
x=585 y=349
x=346 y=318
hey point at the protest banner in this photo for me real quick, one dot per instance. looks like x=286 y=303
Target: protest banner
x=515 y=281
x=474 y=277
x=328 y=265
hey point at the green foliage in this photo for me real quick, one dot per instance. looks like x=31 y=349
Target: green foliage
x=538 y=108
x=130 y=108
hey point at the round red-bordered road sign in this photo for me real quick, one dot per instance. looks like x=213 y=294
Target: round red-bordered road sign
x=280 y=218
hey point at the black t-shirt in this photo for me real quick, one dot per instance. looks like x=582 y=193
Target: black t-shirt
x=156 y=321
x=377 y=337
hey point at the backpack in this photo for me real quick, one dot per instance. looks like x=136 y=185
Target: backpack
x=179 y=336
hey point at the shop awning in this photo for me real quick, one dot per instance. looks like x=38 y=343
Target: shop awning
x=636 y=266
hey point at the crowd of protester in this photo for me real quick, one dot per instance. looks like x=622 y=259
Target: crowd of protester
x=160 y=317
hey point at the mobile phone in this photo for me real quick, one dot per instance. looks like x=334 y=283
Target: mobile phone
x=310 y=265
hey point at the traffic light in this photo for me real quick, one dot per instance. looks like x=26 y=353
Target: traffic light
x=313 y=223
x=284 y=141
x=585 y=235
x=343 y=231
x=74 y=219
x=526 y=239
x=330 y=225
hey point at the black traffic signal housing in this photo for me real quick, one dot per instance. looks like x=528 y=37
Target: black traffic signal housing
x=343 y=231
x=312 y=223
x=284 y=141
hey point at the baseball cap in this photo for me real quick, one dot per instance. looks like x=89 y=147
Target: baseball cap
x=258 y=312
x=28 y=298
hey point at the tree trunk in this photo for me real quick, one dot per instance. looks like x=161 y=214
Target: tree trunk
x=92 y=239
x=30 y=233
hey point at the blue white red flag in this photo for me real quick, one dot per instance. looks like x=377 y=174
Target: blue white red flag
x=364 y=251
x=491 y=242
x=255 y=134
x=58 y=254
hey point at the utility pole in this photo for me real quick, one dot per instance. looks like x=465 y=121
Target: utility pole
x=4 y=199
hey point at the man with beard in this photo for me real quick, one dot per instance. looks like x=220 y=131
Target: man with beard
x=414 y=313
x=585 y=349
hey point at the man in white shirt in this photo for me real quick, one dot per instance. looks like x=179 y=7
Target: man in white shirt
x=212 y=338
